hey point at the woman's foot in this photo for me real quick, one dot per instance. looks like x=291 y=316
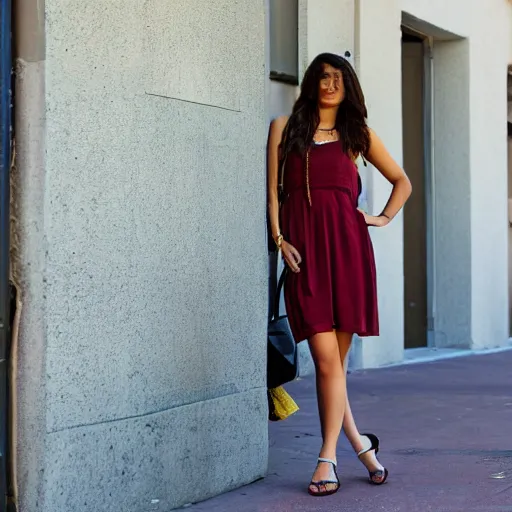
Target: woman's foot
x=368 y=456
x=325 y=480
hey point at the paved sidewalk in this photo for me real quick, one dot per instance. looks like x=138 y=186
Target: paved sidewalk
x=446 y=438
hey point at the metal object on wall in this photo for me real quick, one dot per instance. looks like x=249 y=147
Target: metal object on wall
x=348 y=55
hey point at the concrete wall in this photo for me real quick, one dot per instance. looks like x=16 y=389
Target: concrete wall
x=330 y=27
x=510 y=41
x=489 y=205
x=150 y=209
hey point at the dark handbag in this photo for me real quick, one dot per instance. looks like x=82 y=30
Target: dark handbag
x=282 y=357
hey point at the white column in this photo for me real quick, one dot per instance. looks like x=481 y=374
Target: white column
x=488 y=180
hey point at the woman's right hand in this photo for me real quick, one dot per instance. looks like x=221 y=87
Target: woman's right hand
x=291 y=256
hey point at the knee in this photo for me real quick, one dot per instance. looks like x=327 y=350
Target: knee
x=326 y=355
x=329 y=367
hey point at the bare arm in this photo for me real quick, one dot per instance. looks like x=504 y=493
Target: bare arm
x=290 y=254
x=380 y=158
x=276 y=133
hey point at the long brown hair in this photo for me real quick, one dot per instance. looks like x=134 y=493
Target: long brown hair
x=350 y=119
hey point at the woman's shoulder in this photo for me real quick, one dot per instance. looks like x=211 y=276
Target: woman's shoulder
x=278 y=124
x=277 y=127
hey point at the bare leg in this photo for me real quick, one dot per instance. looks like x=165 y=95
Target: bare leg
x=331 y=394
x=369 y=459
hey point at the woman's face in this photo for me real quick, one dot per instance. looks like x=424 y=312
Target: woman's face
x=331 y=90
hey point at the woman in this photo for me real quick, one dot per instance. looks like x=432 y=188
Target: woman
x=331 y=292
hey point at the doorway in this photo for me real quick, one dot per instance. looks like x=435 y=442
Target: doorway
x=416 y=109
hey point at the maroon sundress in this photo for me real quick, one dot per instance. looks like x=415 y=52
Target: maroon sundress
x=336 y=286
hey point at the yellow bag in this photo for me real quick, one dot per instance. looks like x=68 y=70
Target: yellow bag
x=280 y=404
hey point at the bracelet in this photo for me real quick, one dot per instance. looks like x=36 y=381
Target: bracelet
x=279 y=240
x=384 y=215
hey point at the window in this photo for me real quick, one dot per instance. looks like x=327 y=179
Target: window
x=284 y=41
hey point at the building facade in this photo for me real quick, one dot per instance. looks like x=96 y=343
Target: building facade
x=442 y=264
x=140 y=204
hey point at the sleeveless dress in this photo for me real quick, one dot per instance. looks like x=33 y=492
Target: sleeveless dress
x=336 y=286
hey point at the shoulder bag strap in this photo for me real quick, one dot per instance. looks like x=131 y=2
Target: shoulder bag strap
x=277 y=298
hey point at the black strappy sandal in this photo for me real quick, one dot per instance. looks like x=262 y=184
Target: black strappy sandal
x=382 y=475
x=325 y=482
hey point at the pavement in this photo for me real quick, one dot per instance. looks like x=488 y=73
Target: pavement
x=446 y=437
